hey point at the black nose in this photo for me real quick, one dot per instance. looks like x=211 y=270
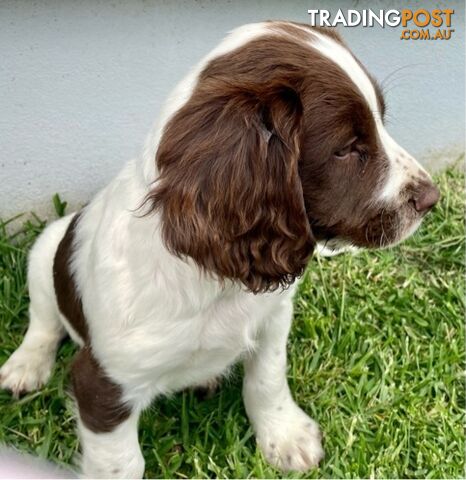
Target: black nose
x=427 y=196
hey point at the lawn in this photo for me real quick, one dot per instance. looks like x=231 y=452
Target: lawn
x=376 y=357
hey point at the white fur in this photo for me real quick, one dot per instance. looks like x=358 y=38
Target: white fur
x=156 y=322
x=112 y=455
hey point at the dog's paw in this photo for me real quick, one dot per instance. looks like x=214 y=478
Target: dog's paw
x=290 y=440
x=27 y=369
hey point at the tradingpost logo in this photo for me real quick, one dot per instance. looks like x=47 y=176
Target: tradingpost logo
x=420 y=24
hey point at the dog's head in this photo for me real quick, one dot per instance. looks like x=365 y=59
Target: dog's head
x=281 y=144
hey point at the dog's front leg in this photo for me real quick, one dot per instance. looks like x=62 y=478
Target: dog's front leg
x=108 y=427
x=289 y=439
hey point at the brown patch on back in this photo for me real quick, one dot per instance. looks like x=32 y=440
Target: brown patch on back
x=68 y=298
x=99 y=399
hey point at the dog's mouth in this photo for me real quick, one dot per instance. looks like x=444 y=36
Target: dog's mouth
x=387 y=228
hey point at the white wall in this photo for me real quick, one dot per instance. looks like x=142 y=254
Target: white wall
x=82 y=81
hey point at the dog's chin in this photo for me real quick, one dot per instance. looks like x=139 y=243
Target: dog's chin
x=388 y=228
x=408 y=230
x=406 y=227
x=374 y=235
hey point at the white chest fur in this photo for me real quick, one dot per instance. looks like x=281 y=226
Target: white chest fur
x=156 y=322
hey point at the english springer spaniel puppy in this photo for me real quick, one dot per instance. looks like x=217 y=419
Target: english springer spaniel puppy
x=187 y=262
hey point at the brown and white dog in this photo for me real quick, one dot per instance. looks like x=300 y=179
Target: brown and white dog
x=272 y=146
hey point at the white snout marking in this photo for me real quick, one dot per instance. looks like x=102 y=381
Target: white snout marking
x=403 y=168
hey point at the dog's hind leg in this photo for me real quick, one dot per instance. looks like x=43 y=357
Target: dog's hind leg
x=30 y=366
x=107 y=424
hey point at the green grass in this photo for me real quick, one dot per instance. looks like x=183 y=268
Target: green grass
x=376 y=357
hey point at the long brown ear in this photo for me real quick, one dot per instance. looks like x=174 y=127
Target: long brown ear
x=229 y=191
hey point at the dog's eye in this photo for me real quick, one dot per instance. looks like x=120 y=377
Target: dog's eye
x=347 y=149
x=344 y=151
